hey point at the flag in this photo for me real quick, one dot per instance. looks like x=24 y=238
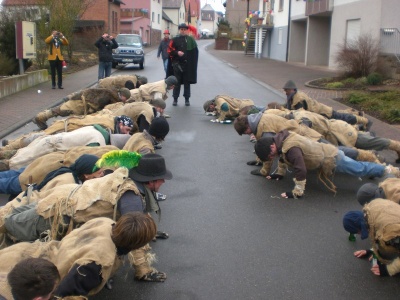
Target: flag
x=189 y=15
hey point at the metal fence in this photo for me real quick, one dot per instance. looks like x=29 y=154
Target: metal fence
x=390 y=41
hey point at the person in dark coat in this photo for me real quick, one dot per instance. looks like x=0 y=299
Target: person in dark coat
x=184 y=56
x=163 y=50
x=105 y=44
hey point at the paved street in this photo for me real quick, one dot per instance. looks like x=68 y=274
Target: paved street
x=231 y=236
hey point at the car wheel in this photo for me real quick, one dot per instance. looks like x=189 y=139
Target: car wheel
x=141 y=66
x=114 y=65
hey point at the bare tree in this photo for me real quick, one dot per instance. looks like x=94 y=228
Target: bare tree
x=358 y=57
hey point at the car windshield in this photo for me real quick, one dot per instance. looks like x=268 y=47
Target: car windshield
x=129 y=41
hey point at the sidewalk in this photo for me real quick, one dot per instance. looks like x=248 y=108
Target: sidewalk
x=18 y=109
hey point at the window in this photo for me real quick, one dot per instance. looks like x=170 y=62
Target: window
x=281 y=5
x=280 y=36
x=353 y=30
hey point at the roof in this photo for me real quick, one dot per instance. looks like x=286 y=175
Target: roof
x=171 y=3
x=165 y=17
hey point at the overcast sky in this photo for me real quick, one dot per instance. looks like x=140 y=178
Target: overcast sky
x=216 y=4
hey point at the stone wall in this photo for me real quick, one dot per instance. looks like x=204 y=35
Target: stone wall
x=17 y=83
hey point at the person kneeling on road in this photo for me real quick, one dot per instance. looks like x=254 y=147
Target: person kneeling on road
x=304 y=154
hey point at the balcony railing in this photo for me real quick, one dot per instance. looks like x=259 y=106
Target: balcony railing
x=390 y=41
x=315 y=7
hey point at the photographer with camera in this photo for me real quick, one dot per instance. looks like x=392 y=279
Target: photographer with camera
x=105 y=44
x=55 y=57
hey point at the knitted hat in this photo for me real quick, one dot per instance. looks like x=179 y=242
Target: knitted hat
x=85 y=164
x=170 y=81
x=263 y=147
x=159 y=128
x=151 y=167
x=182 y=25
x=290 y=85
x=158 y=103
x=354 y=222
x=129 y=85
x=142 y=79
x=206 y=105
x=125 y=92
x=166 y=31
x=368 y=192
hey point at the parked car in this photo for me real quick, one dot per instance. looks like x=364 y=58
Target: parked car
x=130 y=50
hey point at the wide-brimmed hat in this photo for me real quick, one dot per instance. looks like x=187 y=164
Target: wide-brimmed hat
x=151 y=167
x=119 y=140
x=182 y=25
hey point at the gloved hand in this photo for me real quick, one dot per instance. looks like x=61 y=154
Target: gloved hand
x=154 y=276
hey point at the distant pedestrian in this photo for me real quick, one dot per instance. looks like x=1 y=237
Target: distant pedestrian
x=105 y=44
x=184 y=57
x=55 y=57
x=163 y=50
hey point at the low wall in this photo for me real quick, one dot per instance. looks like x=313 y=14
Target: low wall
x=17 y=83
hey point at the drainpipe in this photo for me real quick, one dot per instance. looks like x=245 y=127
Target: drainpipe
x=288 y=34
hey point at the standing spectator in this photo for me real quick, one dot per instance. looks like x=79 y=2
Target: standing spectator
x=163 y=50
x=105 y=44
x=184 y=57
x=55 y=57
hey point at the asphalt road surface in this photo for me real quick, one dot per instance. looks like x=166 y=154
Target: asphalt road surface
x=231 y=235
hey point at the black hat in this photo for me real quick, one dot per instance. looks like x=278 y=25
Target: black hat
x=159 y=128
x=151 y=167
x=263 y=147
x=182 y=25
x=85 y=164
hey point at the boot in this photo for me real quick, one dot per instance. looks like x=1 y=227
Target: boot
x=395 y=146
x=4 y=165
x=187 y=103
x=365 y=122
x=7 y=154
x=175 y=103
x=366 y=155
x=42 y=117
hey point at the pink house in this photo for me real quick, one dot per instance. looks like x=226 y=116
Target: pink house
x=135 y=18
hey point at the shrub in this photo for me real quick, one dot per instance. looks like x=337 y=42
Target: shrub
x=392 y=115
x=7 y=66
x=374 y=78
x=335 y=85
x=358 y=57
x=349 y=81
x=356 y=97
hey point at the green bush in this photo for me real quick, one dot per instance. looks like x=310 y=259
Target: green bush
x=374 y=78
x=7 y=66
x=335 y=85
x=392 y=115
x=357 y=97
x=349 y=81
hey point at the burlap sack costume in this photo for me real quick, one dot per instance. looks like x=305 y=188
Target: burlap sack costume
x=58 y=142
x=134 y=110
x=149 y=91
x=94 y=198
x=116 y=82
x=383 y=219
x=40 y=167
x=234 y=105
x=141 y=142
x=96 y=246
x=391 y=188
